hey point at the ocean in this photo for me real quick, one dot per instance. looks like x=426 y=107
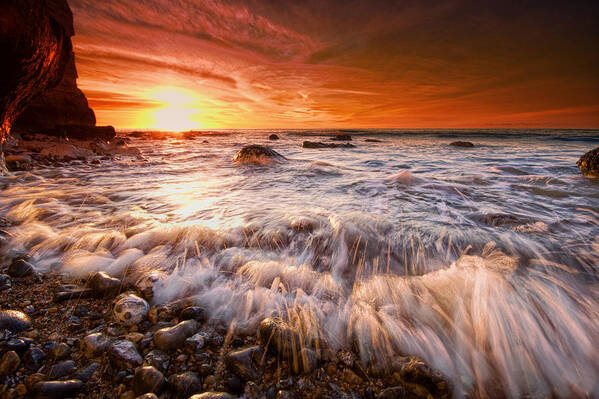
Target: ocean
x=482 y=261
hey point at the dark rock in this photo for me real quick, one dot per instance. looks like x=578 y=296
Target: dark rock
x=342 y=137
x=130 y=309
x=234 y=384
x=125 y=353
x=9 y=363
x=14 y=321
x=373 y=141
x=589 y=163
x=193 y=313
x=351 y=378
x=58 y=389
x=88 y=372
x=306 y=361
x=103 y=284
x=393 y=393
x=464 y=144
x=273 y=137
x=184 y=385
x=81 y=311
x=418 y=372
x=257 y=154
x=315 y=144
x=36 y=47
x=62 y=369
x=34 y=358
x=18 y=345
x=158 y=359
x=5 y=282
x=206 y=369
x=246 y=363
x=173 y=337
x=94 y=344
x=20 y=268
x=286 y=395
x=148 y=379
x=277 y=336
x=214 y=395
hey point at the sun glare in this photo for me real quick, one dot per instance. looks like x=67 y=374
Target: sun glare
x=178 y=111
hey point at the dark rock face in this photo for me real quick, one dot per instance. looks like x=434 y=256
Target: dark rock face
x=36 y=47
x=257 y=154
x=589 y=163
x=64 y=104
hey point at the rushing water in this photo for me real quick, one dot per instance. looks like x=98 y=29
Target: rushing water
x=482 y=261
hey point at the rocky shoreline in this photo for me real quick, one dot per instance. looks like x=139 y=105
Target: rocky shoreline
x=100 y=338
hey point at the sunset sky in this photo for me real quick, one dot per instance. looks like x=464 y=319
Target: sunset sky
x=192 y=64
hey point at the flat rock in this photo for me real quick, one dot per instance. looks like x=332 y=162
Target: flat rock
x=14 y=320
x=124 y=352
x=148 y=379
x=69 y=292
x=86 y=373
x=174 y=337
x=341 y=137
x=57 y=389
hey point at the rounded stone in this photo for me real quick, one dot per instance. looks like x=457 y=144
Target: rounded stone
x=278 y=336
x=589 y=163
x=130 y=309
x=5 y=282
x=9 y=363
x=14 y=320
x=104 y=284
x=94 y=344
x=124 y=352
x=174 y=337
x=20 y=268
x=57 y=389
x=273 y=137
x=184 y=385
x=148 y=379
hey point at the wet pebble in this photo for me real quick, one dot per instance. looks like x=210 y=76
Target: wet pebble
x=34 y=358
x=278 y=336
x=9 y=363
x=184 y=385
x=19 y=345
x=5 y=282
x=158 y=359
x=246 y=363
x=148 y=379
x=57 y=389
x=174 y=337
x=125 y=353
x=87 y=373
x=103 y=284
x=94 y=344
x=286 y=395
x=14 y=320
x=130 y=309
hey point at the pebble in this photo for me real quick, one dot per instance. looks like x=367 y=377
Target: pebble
x=34 y=358
x=174 y=337
x=9 y=363
x=286 y=395
x=104 y=284
x=14 y=320
x=5 y=282
x=18 y=345
x=20 y=268
x=124 y=352
x=184 y=385
x=57 y=389
x=158 y=359
x=246 y=362
x=130 y=309
x=87 y=373
x=148 y=379
x=94 y=344
x=195 y=342
x=62 y=369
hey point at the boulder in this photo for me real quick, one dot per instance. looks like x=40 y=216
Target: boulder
x=257 y=154
x=589 y=163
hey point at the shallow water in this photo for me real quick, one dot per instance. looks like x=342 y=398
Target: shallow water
x=400 y=246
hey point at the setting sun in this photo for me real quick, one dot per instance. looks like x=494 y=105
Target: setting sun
x=178 y=111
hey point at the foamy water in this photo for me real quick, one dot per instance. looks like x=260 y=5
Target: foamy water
x=390 y=248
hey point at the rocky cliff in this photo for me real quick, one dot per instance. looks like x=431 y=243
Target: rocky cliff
x=36 y=47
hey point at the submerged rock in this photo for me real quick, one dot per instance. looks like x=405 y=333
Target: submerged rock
x=257 y=154
x=20 y=268
x=342 y=137
x=130 y=309
x=174 y=337
x=273 y=137
x=589 y=163
x=315 y=144
x=464 y=144
x=148 y=380
x=14 y=320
